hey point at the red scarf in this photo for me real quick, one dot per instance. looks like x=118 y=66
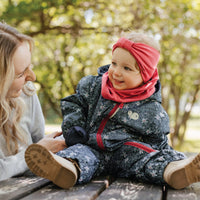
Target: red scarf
x=124 y=96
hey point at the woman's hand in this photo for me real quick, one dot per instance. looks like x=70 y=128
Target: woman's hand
x=51 y=143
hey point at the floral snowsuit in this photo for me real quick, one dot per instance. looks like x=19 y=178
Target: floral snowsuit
x=125 y=139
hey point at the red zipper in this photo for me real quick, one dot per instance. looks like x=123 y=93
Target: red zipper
x=103 y=124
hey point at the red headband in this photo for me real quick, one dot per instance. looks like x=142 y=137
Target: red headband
x=146 y=57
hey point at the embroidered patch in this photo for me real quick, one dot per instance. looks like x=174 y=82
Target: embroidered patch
x=133 y=115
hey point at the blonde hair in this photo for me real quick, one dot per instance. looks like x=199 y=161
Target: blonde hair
x=140 y=37
x=11 y=109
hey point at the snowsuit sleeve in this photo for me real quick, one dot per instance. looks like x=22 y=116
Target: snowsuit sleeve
x=75 y=107
x=155 y=125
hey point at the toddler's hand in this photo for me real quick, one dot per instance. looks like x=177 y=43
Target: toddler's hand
x=76 y=135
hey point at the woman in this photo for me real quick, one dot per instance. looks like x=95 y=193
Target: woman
x=21 y=117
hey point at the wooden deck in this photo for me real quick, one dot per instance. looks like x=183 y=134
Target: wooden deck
x=33 y=188
x=103 y=188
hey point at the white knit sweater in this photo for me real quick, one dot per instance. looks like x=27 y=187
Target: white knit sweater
x=33 y=124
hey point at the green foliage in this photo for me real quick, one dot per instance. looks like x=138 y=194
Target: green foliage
x=74 y=37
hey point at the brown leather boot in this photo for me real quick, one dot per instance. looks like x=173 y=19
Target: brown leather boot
x=182 y=173
x=44 y=163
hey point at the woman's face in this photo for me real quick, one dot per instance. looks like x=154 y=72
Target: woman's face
x=23 y=70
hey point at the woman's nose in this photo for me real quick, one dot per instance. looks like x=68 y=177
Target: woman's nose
x=30 y=75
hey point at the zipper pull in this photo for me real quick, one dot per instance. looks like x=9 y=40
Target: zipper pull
x=121 y=105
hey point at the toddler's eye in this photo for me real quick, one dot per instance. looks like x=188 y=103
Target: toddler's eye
x=114 y=63
x=127 y=68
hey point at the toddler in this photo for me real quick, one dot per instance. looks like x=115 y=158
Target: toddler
x=115 y=124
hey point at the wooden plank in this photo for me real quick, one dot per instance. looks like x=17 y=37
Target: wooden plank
x=16 y=188
x=123 y=189
x=79 y=192
x=189 y=193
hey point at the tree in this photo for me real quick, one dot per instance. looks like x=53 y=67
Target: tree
x=74 y=37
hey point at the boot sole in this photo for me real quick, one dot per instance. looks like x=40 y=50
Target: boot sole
x=45 y=164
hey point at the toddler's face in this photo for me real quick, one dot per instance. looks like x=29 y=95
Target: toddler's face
x=123 y=72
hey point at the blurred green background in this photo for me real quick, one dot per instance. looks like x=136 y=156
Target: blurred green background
x=74 y=37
